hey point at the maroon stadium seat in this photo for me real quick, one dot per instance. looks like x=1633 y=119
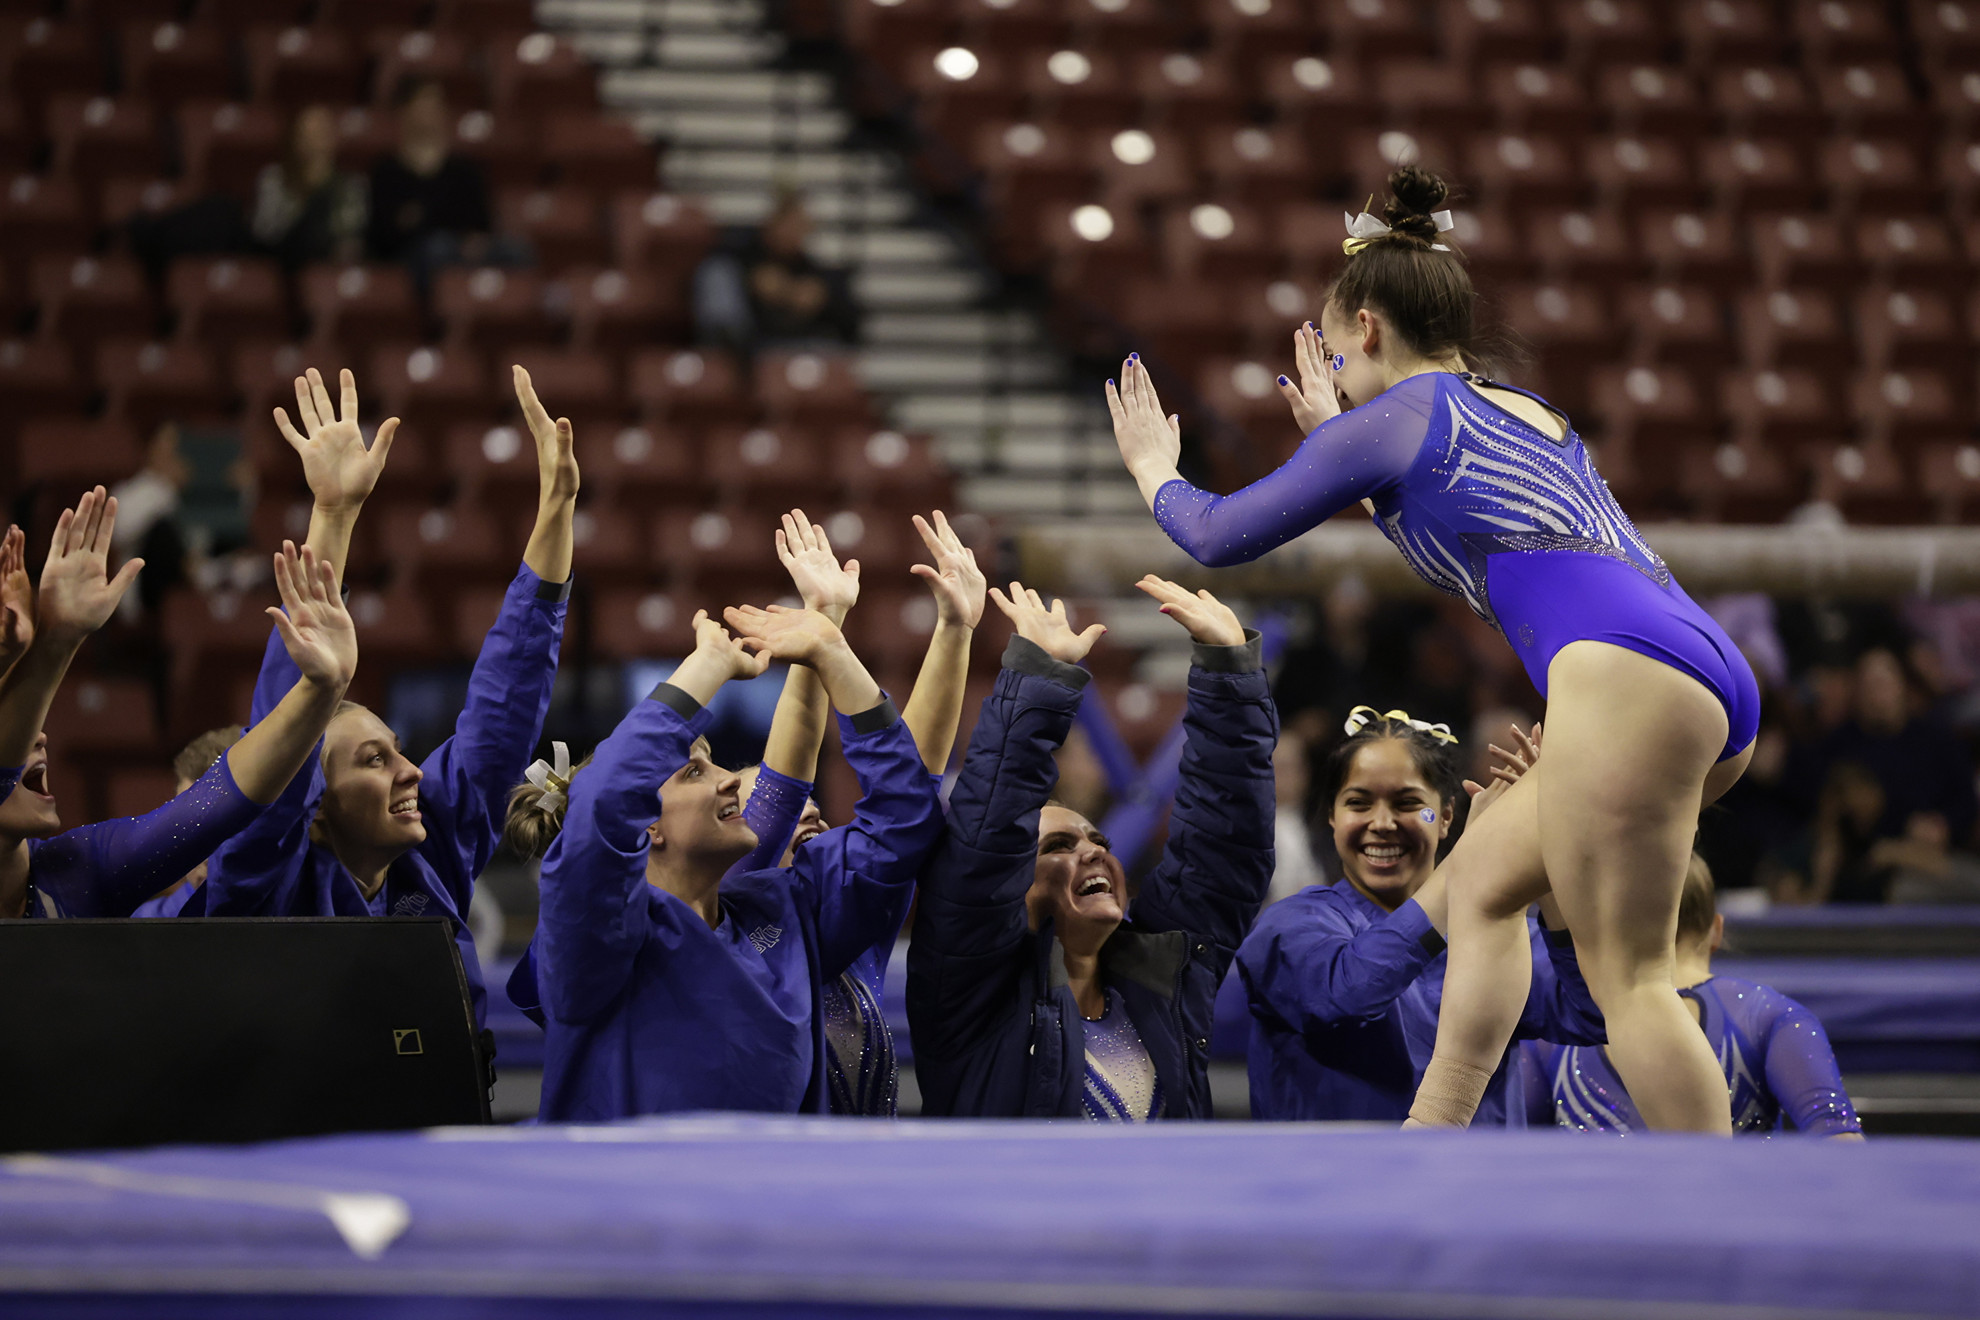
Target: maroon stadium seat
x=640 y=466
x=637 y=624
x=225 y=144
x=221 y=300
x=431 y=388
x=1867 y=482
x=1757 y=174
x=103 y=714
x=504 y=145
x=41 y=58
x=1716 y=32
x=1905 y=404
x=602 y=154
x=1137 y=165
x=1429 y=95
x=1180 y=321
x=1844 y=30
x=41 y=216
x=1652 y=100
x=1640 y=172
x=1870 y=96
x=1587 y=244
x=1906 y=328
x=540 y=74
x=486 y=19
x=1910 y=247
x=1793 y=249
x=801 y=389
x=1256 y=165
x=887 y=466
x=490 y=308
x=1946 y=35
x=609 y=546
x=399 y=56
x=357 y=305
x=170 y=62
x=1013 y=25
x=1531 y=97
x=1374 y=32
x=1780 y=403
x=297 y=66
x=1737 y=481
x=1766 y=101
x=37 y=377
x=151 y=382
x=1866 y=175
x=1318 y=95
x=1684 y=326
x=1217 y=241
x=953 y=94
x=574 y=383
x=1523 y=172
x=83 y=299
x=1572 y=329
x=1803 y=327
x=74 y=453
x=765 y=466
x=1949 y=476
x=728 y=555
x=660 y=231
x=1244 y=30
x=1075 y=88
x=563 y=225
x=615 y=309
x=1605 y=31
x=1371 y=157
x=1475 y=32
x=694 y=387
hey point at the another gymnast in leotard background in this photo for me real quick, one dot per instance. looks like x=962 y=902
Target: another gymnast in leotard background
x=1780 y=1071
x=1490 y=495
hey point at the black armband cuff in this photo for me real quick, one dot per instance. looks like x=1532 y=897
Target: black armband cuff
x=1557 y=939
x=1244 y=659
x=676 y=700
x=556 y=593
x=876 y=718
x=1028 y=657
x=1433 y=943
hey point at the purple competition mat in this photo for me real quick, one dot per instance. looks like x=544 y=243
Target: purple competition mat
x=725 y=1215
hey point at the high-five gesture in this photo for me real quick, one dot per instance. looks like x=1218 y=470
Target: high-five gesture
x=315 y=627
x=341 y=472
x=955 y=579
x=556 y=450
x=1314 y=399
x=16 y=598
x=716 y=658
x=1208 y=619
x=1150 y=442
x=78 y=595
x=822 y=582
x=808 y=638
x=1049 y=629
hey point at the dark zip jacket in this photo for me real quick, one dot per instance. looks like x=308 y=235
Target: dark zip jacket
x=996 y=1030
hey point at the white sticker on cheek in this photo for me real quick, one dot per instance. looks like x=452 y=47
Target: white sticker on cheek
x=1429 y=816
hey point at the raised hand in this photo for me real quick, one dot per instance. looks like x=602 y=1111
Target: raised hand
x=1208 y=619
x=822 y=582
x=955 y=579
x=16 y=598
x=1049 y=629
x=798 y=637
x=1314 y=399
x=1510 y=768
x=714 y=646
x=78 y=595
x=1150 y=443
x=556 y=451
x=315 y=627
x=341 y=472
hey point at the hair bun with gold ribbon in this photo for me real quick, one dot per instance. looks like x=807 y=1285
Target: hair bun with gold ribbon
x=554 y=780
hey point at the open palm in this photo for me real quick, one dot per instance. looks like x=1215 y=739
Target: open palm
x=823 y=583
x=955 y=579
x=1048 y=628
x=16 y=598
x=316 y=629
x=78 y=595
x=341 y=472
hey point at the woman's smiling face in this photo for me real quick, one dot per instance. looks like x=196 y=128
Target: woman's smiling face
x=1387 y=822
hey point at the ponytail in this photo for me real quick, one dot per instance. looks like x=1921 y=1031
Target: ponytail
x=536 y=810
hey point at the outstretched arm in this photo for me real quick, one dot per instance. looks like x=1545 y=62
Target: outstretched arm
x=1802 y=1073
x=551 y=543
x=1217 y=863
x=316 y=632
x=832 y=589
x=935 y=706
x=1346 y=458
x=78 y=595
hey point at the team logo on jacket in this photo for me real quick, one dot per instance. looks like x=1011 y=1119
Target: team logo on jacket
x=765 y=937
x=410 y=906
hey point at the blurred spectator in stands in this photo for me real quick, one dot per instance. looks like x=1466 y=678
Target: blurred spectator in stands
x=186 y=512
x=1325 y=670
x=762 y=288
x=1292 y=842
x=429 y=205
x=1915 y=758
x=1924 y=867
x=305 y=208
x=1840 y=868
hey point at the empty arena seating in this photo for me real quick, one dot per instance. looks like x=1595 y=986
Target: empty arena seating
x=1688 y=196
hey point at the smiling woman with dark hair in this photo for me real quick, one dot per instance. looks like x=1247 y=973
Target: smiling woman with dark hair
x=1345 y=981
x=1032 y=992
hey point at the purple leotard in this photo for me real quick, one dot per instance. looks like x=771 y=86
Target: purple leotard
x=108 y=869
x=1779 y=1069
x=1484 y=506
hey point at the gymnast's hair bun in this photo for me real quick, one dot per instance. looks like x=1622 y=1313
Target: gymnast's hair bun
x=1414 y=194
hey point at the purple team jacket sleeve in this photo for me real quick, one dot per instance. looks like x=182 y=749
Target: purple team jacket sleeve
x=1802 y=1074
x=1347 y=458
x=772 y=813
x=592 y=917
x=1558 y=1005
x=109 y=868
x=1307 y=964
x=467 y=781
x=971 y=921
x=1217 y=864
x=861 y=875
x=10 y=778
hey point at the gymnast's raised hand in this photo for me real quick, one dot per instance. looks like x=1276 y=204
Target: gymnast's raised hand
x=1314 y=400
x=1048 y=629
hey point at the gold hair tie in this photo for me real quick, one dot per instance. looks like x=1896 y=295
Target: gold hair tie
x=1362 y=716
x=552 y=779
x=1365 y=228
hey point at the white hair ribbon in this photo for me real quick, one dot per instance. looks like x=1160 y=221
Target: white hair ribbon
x=1362 y=716
x=554 y=780
x=1365 y=227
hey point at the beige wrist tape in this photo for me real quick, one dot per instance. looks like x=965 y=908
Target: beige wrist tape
x=1450 y=1093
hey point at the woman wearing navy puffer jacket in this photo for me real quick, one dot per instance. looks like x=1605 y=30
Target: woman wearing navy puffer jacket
x=1031 y=990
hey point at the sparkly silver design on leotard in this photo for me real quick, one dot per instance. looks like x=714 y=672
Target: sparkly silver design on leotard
x=1543 y=493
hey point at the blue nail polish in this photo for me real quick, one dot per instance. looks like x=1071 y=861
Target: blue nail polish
x=1134 y=357
x=1110 y=381
x=1284 y=381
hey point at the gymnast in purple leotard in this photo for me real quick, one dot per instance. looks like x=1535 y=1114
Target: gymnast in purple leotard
x=1781 y=1074
x=1489 y=494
